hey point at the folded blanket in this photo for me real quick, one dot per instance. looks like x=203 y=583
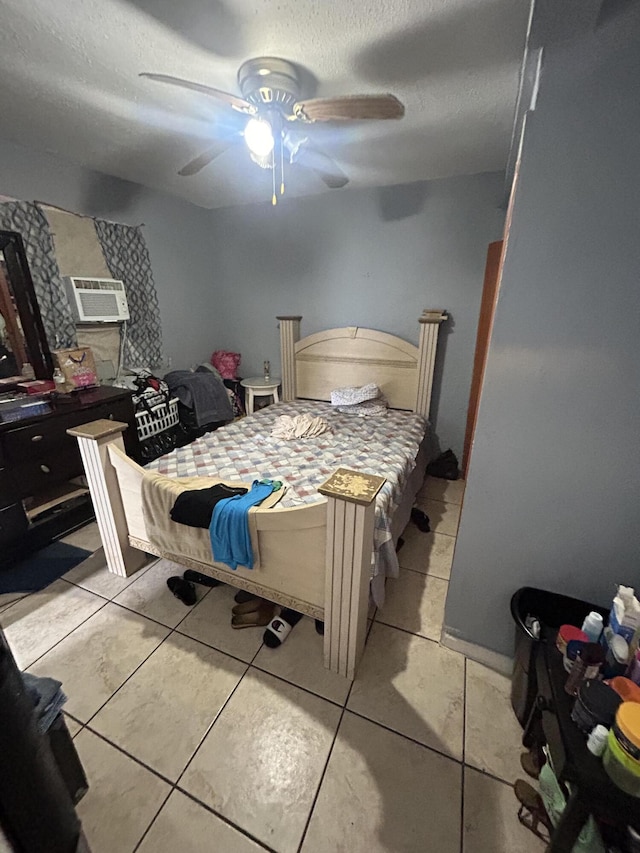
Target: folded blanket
x=300 y=426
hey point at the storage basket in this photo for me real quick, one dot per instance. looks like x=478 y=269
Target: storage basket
x=163 y=416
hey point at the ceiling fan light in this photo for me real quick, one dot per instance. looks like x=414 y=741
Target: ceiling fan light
x=259 y=137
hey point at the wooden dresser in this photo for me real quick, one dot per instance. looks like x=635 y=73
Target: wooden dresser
x=42 y=493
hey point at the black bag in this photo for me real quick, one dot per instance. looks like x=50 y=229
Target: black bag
x=444 y=466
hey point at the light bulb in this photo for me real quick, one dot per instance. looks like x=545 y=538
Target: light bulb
x=259 y=137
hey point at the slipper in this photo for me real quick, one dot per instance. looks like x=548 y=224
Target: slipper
x=247 y=606
x=198 y=577
x=257 y=619
x=242 y=595
x=320 y=627
x=420 y=519
x=280 y=627
x=182 y=589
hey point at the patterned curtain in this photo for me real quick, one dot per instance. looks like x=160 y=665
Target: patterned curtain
x=31 y=223
x=127 y=257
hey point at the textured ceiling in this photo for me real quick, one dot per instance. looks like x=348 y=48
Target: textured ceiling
x=70 y=85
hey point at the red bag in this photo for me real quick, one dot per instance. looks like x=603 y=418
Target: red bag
x=226 y=363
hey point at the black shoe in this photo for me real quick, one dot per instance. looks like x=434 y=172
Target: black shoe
x=420 y=519
x=182 y=589
x=198 y=577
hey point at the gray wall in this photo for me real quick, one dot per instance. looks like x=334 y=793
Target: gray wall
x=178 y=235
x=362 y=257
x=553 y=488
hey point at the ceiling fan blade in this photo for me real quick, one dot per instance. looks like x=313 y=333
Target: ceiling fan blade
x=326 y=168
x=202 y=160
x=349 y=108
x=232 y=100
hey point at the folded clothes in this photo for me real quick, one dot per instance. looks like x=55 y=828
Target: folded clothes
x=299 y=426
x=194 y=507
x=352 y=395
x=47 y=697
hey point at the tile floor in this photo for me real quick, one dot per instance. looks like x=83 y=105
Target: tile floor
x=197 y=737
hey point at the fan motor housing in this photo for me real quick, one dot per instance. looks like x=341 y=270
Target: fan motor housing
x=271 y=82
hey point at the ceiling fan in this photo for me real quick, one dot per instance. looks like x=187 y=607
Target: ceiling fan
x=270 y=100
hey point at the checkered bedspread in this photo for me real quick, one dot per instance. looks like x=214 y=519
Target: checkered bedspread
x=386 y=445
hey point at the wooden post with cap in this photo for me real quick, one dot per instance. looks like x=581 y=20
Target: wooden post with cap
x=93 y=440
x=289 y=337
x=350 y=524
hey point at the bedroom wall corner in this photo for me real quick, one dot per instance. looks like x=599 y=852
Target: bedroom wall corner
x=178 y=236
x=370 y=257
x=553 y=488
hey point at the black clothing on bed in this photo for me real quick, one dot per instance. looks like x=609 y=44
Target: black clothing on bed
x=195 y=506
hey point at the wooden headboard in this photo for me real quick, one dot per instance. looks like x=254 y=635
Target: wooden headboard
x=313 y=366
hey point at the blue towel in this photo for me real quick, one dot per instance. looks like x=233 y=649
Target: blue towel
x=229 y=528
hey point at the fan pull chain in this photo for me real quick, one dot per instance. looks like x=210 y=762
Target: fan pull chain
x=281 y=135
x=274 y=198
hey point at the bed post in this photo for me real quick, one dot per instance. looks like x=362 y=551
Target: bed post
x=429 y=328
x=350 y=522
x=93 y=439
x=289 y=336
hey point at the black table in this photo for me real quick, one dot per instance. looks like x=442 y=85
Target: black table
x=592 y=792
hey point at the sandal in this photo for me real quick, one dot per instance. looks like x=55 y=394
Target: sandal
x=532 y=812
x=242 y=595
x=249 y=606
x=256 y=619
x=530 y=763
x=182 y=589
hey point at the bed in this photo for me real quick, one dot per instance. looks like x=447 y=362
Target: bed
x=329 y=542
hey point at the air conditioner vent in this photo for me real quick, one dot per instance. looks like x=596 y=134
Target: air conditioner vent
x=97 y=300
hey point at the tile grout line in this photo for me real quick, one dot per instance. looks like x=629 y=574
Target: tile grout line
x=57 y=643
x=153 y=820
x=424 y=574
x=293 y=684
x=402 y=735
x=324 y=770
x=216 y=717
x=226 y=820
x=464 y=756
x=412 y=634
x=407 y=631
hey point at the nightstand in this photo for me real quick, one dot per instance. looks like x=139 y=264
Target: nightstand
x=256 y=386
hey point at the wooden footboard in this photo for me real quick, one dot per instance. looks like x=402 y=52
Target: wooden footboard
x=314 y=558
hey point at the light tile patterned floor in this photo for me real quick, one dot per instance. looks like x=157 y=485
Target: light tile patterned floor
x=197 y=737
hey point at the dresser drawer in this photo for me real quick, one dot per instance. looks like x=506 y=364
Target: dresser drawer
x=51 y=434
x=13 y=523
x=40 y=472
x=7 y=488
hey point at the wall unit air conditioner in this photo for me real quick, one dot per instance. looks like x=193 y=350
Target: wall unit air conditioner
x=97 y=300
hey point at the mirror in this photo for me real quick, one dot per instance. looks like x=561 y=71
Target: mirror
x=22 y=336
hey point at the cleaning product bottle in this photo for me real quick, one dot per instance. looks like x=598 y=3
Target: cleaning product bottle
x=592 y=626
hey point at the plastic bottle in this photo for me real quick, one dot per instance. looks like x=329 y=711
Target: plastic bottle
x=58 y=378
x=597 y=740
x=634 y=669
x=592 y=626
x=587 y=665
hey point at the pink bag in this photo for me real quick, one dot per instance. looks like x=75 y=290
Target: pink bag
x=226 y=363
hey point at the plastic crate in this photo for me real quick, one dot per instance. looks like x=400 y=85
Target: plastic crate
x=162 y=416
